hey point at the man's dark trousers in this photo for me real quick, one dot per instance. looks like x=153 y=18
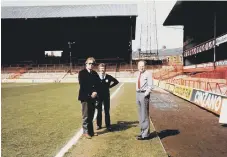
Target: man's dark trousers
x=106 y=103
x=88 y=109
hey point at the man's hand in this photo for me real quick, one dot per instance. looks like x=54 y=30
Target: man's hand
x=94 y=94
x=146 y=93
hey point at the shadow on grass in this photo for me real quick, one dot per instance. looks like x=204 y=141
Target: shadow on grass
x=124 y=125
x=164 y=133
x=120 y=126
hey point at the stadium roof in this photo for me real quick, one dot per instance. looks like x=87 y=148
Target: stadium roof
x=15 y=12
x=186 y=11
x=175 y=15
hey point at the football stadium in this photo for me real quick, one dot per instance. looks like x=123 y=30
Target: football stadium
x=44 y=48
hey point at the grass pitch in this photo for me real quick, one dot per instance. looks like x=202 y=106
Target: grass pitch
x=121 y=142
x=39 y=119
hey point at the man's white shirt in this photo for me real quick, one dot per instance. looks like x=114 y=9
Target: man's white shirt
x=102 y=76
x=146 y=82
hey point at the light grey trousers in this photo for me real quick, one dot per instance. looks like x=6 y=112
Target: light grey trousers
x=143 y=111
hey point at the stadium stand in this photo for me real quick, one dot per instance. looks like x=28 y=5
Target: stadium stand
x=216 y=74
x=42 y=75
x=214 y=81
x=167 y=72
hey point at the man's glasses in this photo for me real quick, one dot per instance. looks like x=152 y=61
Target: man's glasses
x=90 y=63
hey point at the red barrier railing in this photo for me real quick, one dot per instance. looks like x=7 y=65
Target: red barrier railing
x=215 y=87
x=217 y=74
x=18 y=72
x=163 y=74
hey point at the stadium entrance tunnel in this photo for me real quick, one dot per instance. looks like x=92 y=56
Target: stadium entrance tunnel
x=99 y=37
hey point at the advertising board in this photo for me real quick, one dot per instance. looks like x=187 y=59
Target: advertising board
x=183 y=91
x=210 y=101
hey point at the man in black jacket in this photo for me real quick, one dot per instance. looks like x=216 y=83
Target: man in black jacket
x=89 y=86
x=104 y=96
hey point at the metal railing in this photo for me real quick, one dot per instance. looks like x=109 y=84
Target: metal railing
x=55 y=68
x=212 y=86
x=217 y=74
x=45 y=68
x=168 y=73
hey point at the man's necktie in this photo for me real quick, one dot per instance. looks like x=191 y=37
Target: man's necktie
x=139 y=81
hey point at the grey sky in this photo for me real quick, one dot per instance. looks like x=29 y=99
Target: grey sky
x=170 y=37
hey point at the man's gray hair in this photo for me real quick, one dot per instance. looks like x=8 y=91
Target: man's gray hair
x=145 y=63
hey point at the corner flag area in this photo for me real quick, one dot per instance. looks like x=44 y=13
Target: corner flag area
x=39 y=119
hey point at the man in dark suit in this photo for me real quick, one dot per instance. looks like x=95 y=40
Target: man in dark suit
x=106 y=82
x=89 y=89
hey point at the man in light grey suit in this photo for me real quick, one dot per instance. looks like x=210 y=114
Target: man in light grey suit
x=144 y=85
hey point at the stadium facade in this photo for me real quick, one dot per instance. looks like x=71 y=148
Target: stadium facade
x=101 y=31
x=205 y=33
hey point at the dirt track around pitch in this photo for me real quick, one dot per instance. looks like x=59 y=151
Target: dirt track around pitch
x=185 y=129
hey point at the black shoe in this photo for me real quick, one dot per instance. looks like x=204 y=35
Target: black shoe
x=98 y=128
x=139 y=136
x=142 y=138
x=109 y=128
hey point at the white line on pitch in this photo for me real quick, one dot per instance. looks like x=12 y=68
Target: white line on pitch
x=77 y=136
x=159 y=138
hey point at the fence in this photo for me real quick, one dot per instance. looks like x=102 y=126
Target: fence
x=217 y=74
x=212 y=86
x=168 y=72
x=55 y=68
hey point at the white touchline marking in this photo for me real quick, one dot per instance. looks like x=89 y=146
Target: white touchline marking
x=78 y=134
x=155 y=129
x=158 y=138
